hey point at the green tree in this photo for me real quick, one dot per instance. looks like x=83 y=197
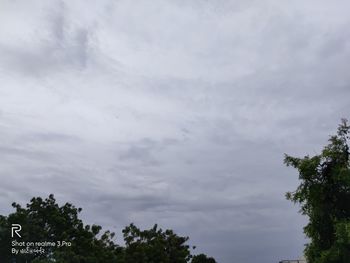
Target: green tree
x=201 y=258
x=154 y=246
x=324 y=196
x=44 y=220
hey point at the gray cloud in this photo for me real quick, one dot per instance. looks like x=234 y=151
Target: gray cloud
x=175 y=113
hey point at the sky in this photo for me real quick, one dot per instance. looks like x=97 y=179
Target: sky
x=172 y=112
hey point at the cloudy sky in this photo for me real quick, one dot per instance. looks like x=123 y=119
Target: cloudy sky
x=172 y=112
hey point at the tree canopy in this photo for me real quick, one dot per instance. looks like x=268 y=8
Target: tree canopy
x=201 y=258
x=43 y=220
x=324 y=196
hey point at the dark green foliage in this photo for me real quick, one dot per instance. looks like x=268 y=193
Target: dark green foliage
x=154 y=245
x=201 y=258
x=324 y=196
x=45 y=220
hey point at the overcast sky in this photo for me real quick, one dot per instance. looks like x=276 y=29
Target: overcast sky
x=172 y=112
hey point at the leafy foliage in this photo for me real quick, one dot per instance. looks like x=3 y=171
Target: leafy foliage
x=44 y=220
x=154 y=245
x=201 y=258
x=324 y=196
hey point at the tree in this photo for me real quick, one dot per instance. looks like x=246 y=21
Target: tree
x=201 y=258
x=44 y=220
x=324 y=196
x=154 y=245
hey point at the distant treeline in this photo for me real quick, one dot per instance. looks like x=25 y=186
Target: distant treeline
x=44 y=232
